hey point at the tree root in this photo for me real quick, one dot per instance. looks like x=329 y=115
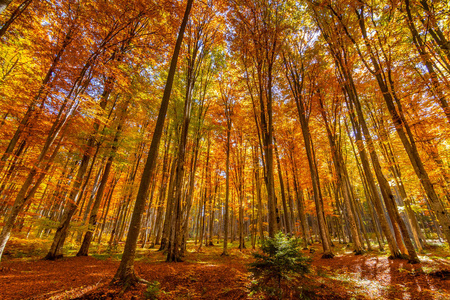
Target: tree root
x=328 y=255
x=359 y=252
x=52 y=257
x=414 y=261
x=128 y=282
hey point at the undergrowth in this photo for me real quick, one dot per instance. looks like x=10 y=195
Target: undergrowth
x=279 y=263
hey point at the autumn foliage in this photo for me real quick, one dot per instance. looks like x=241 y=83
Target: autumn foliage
x=136 y=124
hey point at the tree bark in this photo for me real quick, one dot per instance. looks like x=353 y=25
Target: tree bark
x=227 y=182
x=125 y=274
x=16 y=13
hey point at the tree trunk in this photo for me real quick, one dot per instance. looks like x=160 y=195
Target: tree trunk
x=300 y=204
x=286 y=215
x=125 y=274
x=168 y=215
x=227 y=184
x=106 y=210
x=16 y=13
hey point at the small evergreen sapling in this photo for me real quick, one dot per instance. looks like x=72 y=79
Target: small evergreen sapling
x=279 y=262
x=153 y=290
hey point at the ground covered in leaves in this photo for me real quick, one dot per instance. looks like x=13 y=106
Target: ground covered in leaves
x=206 y=275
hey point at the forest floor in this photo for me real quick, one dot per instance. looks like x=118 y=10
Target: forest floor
x=206 y=275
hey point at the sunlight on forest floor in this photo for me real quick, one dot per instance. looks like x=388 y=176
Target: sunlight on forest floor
x=205 y=274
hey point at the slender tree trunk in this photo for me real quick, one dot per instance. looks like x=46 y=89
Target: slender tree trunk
x=106 y=210
x=125 y=274
x=227 y=185
x=300 y=206
x=167 y=170
x=16 y=13
x=286 y=215
x=258 y=193
x=168 y=215
x=211 y=212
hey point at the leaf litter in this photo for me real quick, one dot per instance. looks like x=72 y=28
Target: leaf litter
x=207 y=275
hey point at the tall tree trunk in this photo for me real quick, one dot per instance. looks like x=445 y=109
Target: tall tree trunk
x=211 y=213
x=300 y=203
x=104 y=216
x=286 y=215
x=165 y=178
x=169 y=203
x=258 y=192
x=16 y=13
x=227 y=184
x=125 y=273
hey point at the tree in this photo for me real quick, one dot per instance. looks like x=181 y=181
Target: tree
x=299 y=80
x=199 y=39
x=279 y=261
x=227 y=101
x=125 y=275
x=258 y=36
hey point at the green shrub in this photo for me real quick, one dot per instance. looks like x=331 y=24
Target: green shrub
x=279 y=262
x=153 y=290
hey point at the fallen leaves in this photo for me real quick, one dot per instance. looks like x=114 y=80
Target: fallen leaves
x=208 y=275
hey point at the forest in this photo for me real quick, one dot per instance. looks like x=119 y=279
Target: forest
x=175 y=149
